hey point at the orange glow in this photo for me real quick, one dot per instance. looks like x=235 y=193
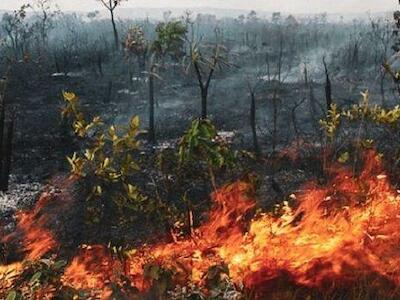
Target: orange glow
x=335 y=235
x=33 y=237
x=32 y=233
x=92 y=269
x=331 y=236
x=8 y=273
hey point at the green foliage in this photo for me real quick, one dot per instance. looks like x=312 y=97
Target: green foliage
x=219 y=286
x=107 y=164
x=362 y=126
x=373 y=113
x=12 y=295
x=80 y=125
x=332 y=122
x=361 y=112
x=43 y=272
x=202 y=143
x=36 y=276
x=170 y=38
x=208 y=59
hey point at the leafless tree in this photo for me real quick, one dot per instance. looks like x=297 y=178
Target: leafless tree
x=328 y=86
x=18 y=31
x=206 y=59
x=45 y=18
x=111 y=5
x=6 y=134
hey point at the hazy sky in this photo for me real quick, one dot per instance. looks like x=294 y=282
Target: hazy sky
x=293 y=6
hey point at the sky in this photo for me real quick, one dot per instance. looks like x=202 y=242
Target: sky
x=291 y=6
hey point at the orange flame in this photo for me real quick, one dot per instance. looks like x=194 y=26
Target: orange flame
x=32 y=231
x=336 y=235
x=92 y=269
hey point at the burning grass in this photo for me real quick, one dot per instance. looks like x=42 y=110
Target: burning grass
x=341 y=239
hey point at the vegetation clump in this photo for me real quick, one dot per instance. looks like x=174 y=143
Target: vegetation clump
x=107 y=164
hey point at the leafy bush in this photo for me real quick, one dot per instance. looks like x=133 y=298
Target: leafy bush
x=362 y=112
x=38 y=280
x=361 y=127
x=218 y=285
x=107 y=164
x=201 y=143
x=170 y=38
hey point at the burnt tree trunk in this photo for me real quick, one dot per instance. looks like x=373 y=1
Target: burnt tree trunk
x=267 y=60
x=204 y=96
x=141 y=60
x=253 y=124
x=100 y=64
x=58 y=69
x=280 y=60
x=204 y=86
x=8 y=145
x=382 y=88
x=108 y=97
x=275 y=122
x=2 y=129
x=152 y=133
x=114 y=25
x=328 y=86
x=5 y=140
x=305 y=75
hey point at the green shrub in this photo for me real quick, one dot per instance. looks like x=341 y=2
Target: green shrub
x=202 y=144
x=107 y=165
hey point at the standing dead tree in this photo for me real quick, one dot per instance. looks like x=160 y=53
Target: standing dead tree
x=45 y=15
x=6 y=136
x=252 y=86
x=111 y=5
x=205 y=63
x=296 y=127
x=328 y=86
x=381 y=36
x=18 y=31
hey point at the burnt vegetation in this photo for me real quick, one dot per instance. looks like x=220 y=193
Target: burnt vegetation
x=135 y=122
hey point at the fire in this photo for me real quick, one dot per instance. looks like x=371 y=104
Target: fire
x=8 y=273
x=31 y=232
x=335 y=236
x=340 y=233
x=92 y=269
x=34 y=237
x=330 y=237
x=34 y=232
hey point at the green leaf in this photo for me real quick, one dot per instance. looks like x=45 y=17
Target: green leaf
x=135 y=121
x=12 y=295
x=35 y=278
x=344 y=157
x=58 y=265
